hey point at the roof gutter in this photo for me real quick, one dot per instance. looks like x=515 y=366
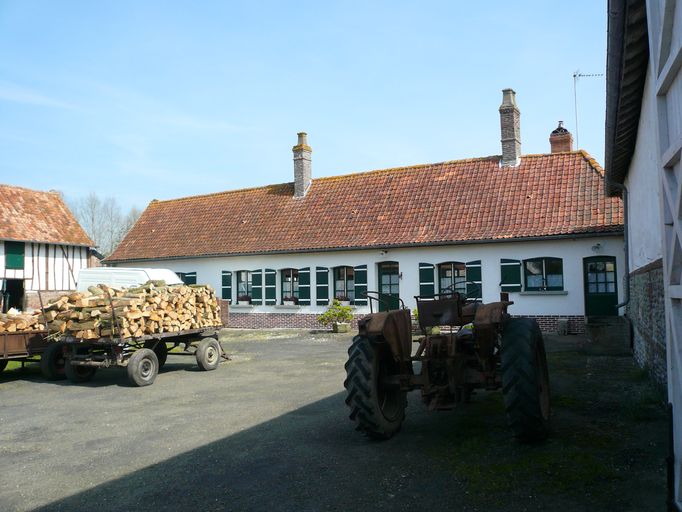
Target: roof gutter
x=46 y=243
x=573 y=236
x=626 y=66
x=615 y=30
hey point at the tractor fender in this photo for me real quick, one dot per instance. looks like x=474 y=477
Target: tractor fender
x=492 y=314
x=393 y=327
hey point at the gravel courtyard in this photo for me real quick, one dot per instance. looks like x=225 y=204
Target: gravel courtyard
x=269 y=431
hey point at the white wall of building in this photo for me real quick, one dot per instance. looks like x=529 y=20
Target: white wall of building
x=47 y=267
x=572 y=251
x=644 y=212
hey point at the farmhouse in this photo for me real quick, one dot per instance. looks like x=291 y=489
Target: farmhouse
x=537 y=226
x=42 y=248
x=644 y=163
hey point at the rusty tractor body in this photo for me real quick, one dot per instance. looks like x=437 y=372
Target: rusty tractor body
x=480 y=348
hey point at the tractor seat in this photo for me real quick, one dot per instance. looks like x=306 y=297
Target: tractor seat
x=469 y=312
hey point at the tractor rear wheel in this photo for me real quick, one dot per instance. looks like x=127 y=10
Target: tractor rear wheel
x=377 y=408
x=525 y=380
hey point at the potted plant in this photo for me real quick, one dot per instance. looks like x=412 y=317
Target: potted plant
x=289 y=301
x=338 y=316
x=244 y=299
x=343 y=299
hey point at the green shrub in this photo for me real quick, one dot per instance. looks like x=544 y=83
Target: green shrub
x=336 y=313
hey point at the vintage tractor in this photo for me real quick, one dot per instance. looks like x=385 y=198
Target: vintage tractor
x=480 y=347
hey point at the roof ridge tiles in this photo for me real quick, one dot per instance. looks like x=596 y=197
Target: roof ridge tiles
x=29 y=189
x=329 y=178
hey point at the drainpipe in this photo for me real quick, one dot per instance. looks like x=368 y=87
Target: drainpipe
x=624 y=194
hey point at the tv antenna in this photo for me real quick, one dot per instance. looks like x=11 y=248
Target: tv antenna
x=577 y=75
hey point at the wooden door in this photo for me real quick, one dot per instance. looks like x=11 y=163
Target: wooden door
x=389 y=285
x=601 y=287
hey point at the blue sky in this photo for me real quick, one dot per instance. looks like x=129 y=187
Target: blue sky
x=159 y=99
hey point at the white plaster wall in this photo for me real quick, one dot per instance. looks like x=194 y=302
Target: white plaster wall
x=571 y=251
x=644 y=213
x=60 y=273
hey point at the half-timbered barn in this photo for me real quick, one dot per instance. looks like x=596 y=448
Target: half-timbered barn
x=42 y=247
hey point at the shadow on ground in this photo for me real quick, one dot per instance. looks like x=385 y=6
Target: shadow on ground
x=606 y=453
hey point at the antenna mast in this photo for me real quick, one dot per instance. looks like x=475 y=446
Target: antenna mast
x=576 y=75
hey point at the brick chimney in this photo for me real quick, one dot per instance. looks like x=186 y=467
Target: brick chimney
x=302 y=165
x=561 y=139
x=510 y=124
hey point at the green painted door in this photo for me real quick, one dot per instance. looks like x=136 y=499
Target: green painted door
x=389 y=287
x=601 y=288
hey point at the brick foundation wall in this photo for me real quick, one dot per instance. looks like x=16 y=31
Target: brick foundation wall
x=279 y=320
x=550 y=323
x=31 y=299
x=646 y=311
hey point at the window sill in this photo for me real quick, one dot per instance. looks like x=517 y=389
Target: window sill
x=287 y=306
x=547 y=292
x=241 y=306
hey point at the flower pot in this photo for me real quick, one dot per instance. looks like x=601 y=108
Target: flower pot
x=288 y=303
x=345 y=302
x=341 y=327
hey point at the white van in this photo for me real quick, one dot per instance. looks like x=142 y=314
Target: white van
x=120 y=277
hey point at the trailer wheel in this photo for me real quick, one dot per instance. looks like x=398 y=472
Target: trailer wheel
x=525 y=380
x=208 y=354
x=77 y=373
x=143 y=367
x=161 y=351
x=3 y=364
x=377 y=410
x=52 y=362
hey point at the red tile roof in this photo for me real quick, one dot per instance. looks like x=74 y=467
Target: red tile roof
x=36 y=216
x=450 y=202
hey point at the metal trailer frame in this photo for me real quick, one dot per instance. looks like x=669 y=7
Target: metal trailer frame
x=22 y=346
x=84 y=357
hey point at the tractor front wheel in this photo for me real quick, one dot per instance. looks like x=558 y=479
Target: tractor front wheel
x=525 y=380
x=377 y=406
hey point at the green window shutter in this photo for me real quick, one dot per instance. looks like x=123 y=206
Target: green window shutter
x=322 y=285
x=360 y=285
x=257 y=287
x=14 y=255
x=270 y=287
x=427 y=284
x=511 y=275
x=474 y=286
x=304 y=286
x=226 y=285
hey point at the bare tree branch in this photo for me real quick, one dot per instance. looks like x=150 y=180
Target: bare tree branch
x=103 y=220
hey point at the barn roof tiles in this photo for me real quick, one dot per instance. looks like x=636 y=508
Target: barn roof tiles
x=35 y=216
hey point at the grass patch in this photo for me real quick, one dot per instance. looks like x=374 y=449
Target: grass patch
x=14 y=365
x=567 y=402
x=493 y=465
x=582 y=457
x=646 y=405
x=639 y=375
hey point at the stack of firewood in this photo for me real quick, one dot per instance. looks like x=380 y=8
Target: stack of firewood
x=152 y=308
x=15 y=321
